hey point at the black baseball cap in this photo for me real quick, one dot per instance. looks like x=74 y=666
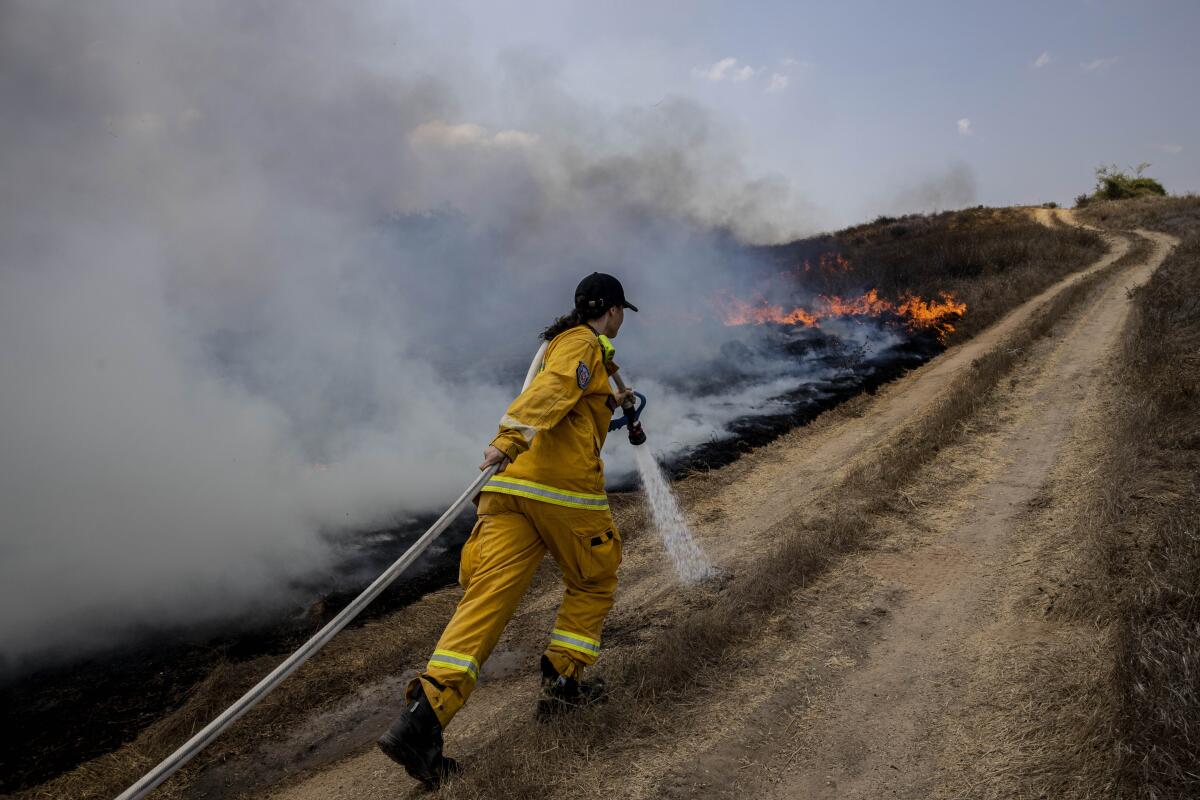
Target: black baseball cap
x=597 y=292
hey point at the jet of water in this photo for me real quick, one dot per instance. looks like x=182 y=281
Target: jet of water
x=691 y=565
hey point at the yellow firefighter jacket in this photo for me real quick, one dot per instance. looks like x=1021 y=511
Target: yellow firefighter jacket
x=554 y=430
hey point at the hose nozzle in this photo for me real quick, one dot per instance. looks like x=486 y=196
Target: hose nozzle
x=636 y=434
x=633 y=412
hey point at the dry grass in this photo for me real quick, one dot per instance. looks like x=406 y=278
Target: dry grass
x=1103 y=701
x=1042 y=697
x=1155 y=544
x=688 y=660
x=1179 y=216
x=997 y=258
x=364 y=654
x=1041 y=712
x=1044 y=720
x=972 y=391
x=1137 y=578
x=992 y=259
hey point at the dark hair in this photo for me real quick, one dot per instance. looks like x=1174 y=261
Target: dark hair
x=566 y=322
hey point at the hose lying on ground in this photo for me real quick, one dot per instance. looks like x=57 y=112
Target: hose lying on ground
x=247 y=701
x=212 y=730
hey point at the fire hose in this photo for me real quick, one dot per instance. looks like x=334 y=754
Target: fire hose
x=192 y=747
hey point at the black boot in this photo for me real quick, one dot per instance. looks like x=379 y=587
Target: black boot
x=415 y=742
x=560 y=693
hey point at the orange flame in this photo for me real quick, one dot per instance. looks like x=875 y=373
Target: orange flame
x=916 y=312
x=735 y=311
x=931 y=313
x=829 y=263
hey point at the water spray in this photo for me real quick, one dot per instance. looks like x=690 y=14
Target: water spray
x=691 y=565
x=689 y=562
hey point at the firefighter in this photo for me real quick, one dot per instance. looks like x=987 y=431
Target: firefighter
x=547 y=497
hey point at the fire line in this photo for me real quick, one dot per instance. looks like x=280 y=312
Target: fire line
x=914 y=312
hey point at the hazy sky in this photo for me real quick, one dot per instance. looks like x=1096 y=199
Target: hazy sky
x=860 y=103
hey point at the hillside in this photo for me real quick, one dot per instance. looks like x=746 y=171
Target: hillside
x=864 y=552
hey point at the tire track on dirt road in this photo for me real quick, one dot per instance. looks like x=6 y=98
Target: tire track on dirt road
x=917 y=622
x=736 y=513
x=757 y=494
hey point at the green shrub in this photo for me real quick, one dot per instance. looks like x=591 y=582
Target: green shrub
x=1113 y=183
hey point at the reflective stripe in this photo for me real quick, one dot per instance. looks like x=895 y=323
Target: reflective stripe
x=547 y=494
x=527 y=431
x=576 y=641
x=456 y=661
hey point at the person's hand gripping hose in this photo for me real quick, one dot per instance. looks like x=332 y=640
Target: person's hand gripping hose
x=493 y=457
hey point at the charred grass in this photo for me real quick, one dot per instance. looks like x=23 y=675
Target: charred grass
x=994 y=259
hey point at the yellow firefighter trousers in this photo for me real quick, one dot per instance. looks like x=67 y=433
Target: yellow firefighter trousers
x=510 y=539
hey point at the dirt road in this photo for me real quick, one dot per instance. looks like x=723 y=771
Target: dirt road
x=900 y=673
x=944 y=622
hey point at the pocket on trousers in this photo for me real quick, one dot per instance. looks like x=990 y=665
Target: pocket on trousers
x=599 y=554
x=472 y=554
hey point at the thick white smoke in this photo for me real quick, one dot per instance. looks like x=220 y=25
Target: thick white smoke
x=268 y=270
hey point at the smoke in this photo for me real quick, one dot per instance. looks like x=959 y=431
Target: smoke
x=953 y=188
x=269 y=271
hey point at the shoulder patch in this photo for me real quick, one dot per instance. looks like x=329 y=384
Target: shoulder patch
x=583 y=376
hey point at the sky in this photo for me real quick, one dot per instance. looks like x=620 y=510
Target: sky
x=866 y=107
